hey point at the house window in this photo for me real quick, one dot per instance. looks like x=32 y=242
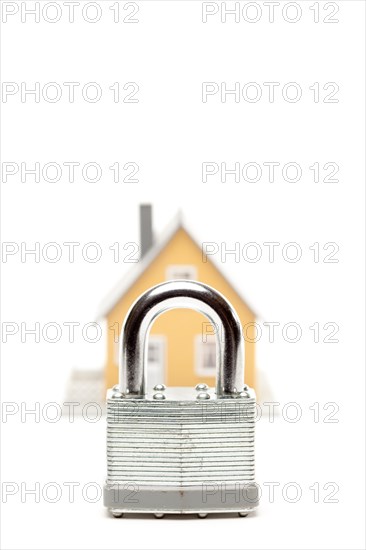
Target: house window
x=181 y=271
x=205 y=356
x=156 y=361
x=154 y=351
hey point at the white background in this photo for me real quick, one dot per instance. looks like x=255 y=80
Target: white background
x=169 y=133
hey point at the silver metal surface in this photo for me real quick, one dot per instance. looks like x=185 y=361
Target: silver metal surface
x=181 y=450
x=201 y=387
x=208 y=499
x=180 y=442
x=160 y=387
x=160 y=396
x=181 y=294
x=203 y=395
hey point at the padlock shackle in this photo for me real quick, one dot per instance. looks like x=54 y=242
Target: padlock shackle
x=181 y=294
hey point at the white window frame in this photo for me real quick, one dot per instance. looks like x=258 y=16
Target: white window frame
x=161 y=340
x=199 y=356
x=174 y=269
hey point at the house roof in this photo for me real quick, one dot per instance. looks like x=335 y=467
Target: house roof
x=138 y=269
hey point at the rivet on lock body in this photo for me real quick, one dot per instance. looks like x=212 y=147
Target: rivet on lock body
x=181 y=450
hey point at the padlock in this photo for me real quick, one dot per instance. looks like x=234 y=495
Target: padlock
x=181 y=450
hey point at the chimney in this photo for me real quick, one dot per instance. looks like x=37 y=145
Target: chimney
x=146 y=236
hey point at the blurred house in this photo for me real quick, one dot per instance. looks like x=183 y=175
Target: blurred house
x=181 y=349
x=85 y=386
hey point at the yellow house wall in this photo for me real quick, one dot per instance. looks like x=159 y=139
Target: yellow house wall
x=180 y=326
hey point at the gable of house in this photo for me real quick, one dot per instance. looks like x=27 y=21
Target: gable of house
x=179 y=335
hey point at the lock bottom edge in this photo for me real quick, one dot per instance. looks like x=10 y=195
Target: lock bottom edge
x=210 y=498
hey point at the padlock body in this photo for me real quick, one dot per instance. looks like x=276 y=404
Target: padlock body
x=181 y=453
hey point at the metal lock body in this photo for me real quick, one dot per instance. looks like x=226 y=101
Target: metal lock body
x=181 y=450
